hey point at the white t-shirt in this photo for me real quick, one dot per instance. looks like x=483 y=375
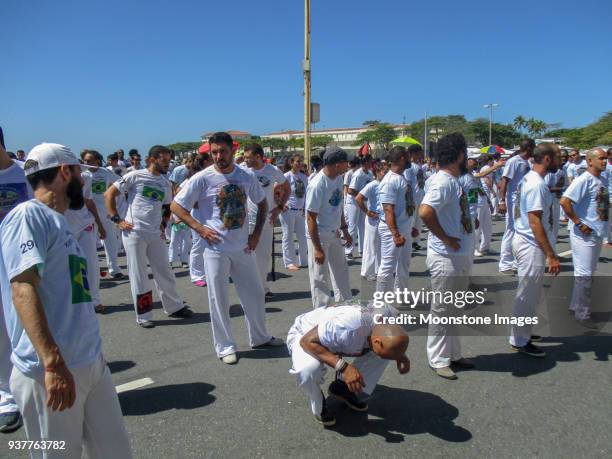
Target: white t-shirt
x=342 y=329
x=101 y=180
x=267 y=176
x=360 y=179
x=14 y=188
x=577 y=169
x=222 y=203
x=471 y=188
x=591 y=202
x=397 y=190
x=35 y=235
x=298 y=184
x=324 y=197
x=147 y=194
x=370 y=193
x=533 y=195
x=444 y=194
x=82 y=218
x=515 y=169
x=121 y=168
x=555 y=180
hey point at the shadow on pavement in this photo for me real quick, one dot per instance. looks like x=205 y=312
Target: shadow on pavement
x=163 y=398
x=558 y=349
x=265 y=353
x=198 y=318
x=120 y=365
x=401 y=412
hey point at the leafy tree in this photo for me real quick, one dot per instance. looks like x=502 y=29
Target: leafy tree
x=519 y=123
x=274 y=144
x=370 y=123
x=318 y=141
x=535 y=127
x=380 y=134
x=180 y=147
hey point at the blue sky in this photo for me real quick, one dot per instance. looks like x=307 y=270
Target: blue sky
x=132 y=73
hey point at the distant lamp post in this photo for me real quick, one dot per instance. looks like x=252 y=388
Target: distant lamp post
x=491 y=107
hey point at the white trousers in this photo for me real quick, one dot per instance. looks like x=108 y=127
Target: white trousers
x=196 y=258
x=418 y=223
x=94 y=422
x=112 y=243
x=585 y=255
x=371 y=248
x=393 y=259
x=506 y=259
x=448 y=274
x=531 y=263
x=334 y=267
x=243 y=270
x=310 y=373
x=87 y=241
x=180 y=244
x=263 y=253
x=141 y=247
x=293 y=221
x=7 y=402
x=356 y=226
x=484 y=230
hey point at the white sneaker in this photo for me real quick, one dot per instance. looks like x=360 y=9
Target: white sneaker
x=230 y=359
x=478 y=253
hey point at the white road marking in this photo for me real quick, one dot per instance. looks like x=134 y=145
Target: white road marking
x=134 y=385
x=564 y=254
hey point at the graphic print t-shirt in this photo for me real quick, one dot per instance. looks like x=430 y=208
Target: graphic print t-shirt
x=267 y=177
x=324 y=198
x=35 y=235
x=14 y=188
x=395 y=189
x=591 y=202
x=222 y=202
x=534 y=196
x=298 y=183
x=444 y=194
x=147 y=194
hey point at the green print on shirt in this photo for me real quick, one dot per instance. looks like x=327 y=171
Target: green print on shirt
x=78 y=279
x=231 y=201
x=152 y=193
x=603 y=204
x=466 y=220
x=98 y=187
x=473 y=196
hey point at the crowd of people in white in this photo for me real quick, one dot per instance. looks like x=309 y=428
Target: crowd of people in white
x=215 y=215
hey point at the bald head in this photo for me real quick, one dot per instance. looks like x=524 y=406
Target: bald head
x=389 y=341
x=597 y=159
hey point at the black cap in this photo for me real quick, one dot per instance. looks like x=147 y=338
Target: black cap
x=334 y=155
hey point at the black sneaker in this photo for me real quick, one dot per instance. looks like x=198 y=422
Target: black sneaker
x=183 y=313
x=535 y=338
x=119 y=276
x=147 y=324
x=340 y=390
x=269 y=295
x=416 y=246
x=326 y=419
x=10 y=422
x=530 y=350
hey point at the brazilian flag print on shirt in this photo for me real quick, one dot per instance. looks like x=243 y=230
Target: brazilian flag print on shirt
x=78 y=279
x=153 y=193
x=98 y=187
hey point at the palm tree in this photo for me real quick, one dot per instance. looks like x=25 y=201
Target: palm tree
x=536 y=127
x=519 y=123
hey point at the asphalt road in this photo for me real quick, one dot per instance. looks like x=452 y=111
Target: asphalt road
x=196 y=406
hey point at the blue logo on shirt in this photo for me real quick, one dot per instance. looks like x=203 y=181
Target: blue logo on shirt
x=336 y=198
x=11 y=194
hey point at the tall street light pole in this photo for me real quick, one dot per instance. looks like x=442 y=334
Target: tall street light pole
x=491 y=107
x=306 y=70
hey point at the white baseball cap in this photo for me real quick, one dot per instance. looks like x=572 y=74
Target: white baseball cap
x=47 y=156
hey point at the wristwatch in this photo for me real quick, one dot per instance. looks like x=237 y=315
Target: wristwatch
x=341 y=365
x=115 y=219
